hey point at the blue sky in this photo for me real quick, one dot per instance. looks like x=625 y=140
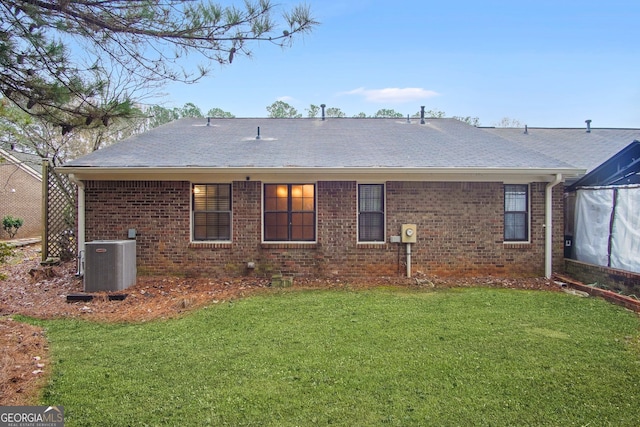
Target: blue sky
x=543 y=63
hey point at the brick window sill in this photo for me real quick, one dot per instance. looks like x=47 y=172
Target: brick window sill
x=210 y=245
x=288 y=245
x=517 y=245
x=381 y=245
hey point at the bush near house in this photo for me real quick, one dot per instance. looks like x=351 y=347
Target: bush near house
x=5 y=252
x=11 y=225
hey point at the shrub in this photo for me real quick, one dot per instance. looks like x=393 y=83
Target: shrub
x=11 y=225
x=6 y=252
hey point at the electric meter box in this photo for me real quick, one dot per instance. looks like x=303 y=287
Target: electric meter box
x=110 y=265
x=409 y=234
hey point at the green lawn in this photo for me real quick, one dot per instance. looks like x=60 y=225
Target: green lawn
x=372 y=357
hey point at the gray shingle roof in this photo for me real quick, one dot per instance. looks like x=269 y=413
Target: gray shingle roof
x=586 y=150
x=32 y=161
x=304 y=143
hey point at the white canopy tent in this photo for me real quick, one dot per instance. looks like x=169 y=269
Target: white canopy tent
x=607 y=226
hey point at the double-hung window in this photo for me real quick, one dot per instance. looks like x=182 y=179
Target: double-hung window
x=371 y=213
x=516 y=213
x=289 y=212
x=212 y=212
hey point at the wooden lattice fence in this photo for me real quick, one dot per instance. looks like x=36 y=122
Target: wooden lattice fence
x=59 y=215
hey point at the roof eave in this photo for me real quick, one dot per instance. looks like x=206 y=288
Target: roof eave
x=327 y=173
x=20 y=164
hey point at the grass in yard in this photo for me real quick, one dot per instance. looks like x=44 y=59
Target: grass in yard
x=396 y=357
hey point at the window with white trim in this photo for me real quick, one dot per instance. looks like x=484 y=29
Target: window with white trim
x=289 y=212
x=211 y=212
x=371 y=212
x=516 y=213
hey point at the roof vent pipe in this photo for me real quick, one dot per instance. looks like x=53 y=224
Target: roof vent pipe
x=526 y=129
x=322 y=105
x=208 y=121
x=588 y=122
x=422 y=114
x=408 y=119
x=258 y=136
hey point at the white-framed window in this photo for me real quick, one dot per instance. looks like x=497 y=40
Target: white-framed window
x=371 y=213
x=516 y=213
x=211 y=207
x=289 y=213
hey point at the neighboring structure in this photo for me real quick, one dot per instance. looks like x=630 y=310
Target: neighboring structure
x=602 y=224
x=623 y=168
x=606 y=202
x=610 y=156
x=584 y=148
x=21 y=192
x=328 y=197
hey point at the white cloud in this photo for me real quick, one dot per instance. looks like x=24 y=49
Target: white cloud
x=287 y=99
x=393 y=94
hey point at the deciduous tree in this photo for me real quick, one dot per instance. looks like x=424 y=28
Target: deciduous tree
x=387 y=113
x=433 y=113
x=158 y=115
x=439 y=114
x=473 y=121
x=334 y=112
x=282 y=110
x=219 y=113
x=313 y=111
x=191 y=110
x=508 y=122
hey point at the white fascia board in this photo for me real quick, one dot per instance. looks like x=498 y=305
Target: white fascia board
x=20 y=164
x=508 y=175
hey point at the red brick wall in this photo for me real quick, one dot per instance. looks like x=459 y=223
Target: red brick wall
x=626 y=282
x=159 y=211
x=459 y=229
x=25 y=202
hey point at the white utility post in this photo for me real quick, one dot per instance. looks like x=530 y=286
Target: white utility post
x=408 y=237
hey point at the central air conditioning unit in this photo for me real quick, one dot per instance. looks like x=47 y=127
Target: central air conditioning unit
x=110 y=265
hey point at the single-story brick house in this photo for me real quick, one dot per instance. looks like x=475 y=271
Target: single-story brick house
x=316 y=197
x=21 y=192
